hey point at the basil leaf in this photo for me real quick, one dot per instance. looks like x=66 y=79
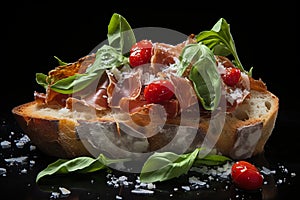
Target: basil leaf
x=167 y=165
x=220 y=41
x=120 y=35
x=60 y=62
x=41 y=79
x=106 y=57
x=82 y=164
x=211 y=160
x=74 y=83
x=203 y=74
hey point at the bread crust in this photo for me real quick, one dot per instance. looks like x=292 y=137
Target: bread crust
x=53 y=136
x=59 y=136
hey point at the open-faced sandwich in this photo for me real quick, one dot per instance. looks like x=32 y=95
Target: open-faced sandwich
x=134 y=97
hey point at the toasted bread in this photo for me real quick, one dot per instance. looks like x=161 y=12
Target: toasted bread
x=244 y=134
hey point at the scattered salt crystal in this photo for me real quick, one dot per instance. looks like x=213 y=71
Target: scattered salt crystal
x=20 y=145
x=151 y=186
x=31 y=162
x=186 y=188
x=25 y=139
x=20 y=159
x=2 y=171
x=54 y=195
x=267 y=171
x=122 y=178
x=293 y=174
x=195 y=180
x=118 y=197
x=24 y=171
x=32 y=147
x=143 y=184
x=5 y=144
x=142 y=191
x=125 y=183
x=108 y=175
x=64 y=191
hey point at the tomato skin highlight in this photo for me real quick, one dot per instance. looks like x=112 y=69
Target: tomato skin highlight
x=232 y=76
x=140 y=53
x=246 y=176
x=159 y=91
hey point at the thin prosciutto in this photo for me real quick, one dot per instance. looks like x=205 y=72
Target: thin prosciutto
x=122 y=90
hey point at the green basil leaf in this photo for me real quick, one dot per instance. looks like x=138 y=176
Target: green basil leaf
x=60 y=62
x=81 y=164
x=41 y=79
x=211 y=160
x=220 y=41
x=120 y=35
x=203 y=74
x=75 y=83
x=167 y=165
x=106 y=57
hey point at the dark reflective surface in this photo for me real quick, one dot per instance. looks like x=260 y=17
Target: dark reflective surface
x=18 y=182
x=35 y=31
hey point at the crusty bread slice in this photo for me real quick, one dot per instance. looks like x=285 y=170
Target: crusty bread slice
x=57 y=131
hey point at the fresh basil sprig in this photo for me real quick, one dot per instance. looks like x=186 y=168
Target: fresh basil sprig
x=203 y=73
x=120 y=37
x=83 y=164
x=106 y=57
x=169 y=165
x=220 y=41
x=60 y=62
x=158 y=167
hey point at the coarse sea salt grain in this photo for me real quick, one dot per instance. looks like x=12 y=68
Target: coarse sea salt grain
x=21 y=159
x=142 y=191
x=64 y=191
x=186 y=188
x=24 y=171
x=2 y=171
x=32 y=147
x=196 y=181
x=54 y=195
x=5 y=144
x=20 y=145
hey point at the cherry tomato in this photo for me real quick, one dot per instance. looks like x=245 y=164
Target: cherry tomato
x=246 y=176
x=140 y=53
x=231 y=76
x=159 y=91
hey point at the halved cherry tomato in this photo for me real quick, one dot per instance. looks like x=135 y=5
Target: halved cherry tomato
x=231 y=76
x=140 y=53
x=246 y=176
x=159 y=91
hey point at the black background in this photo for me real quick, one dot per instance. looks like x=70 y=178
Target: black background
x=35 y=31
x=266 y=37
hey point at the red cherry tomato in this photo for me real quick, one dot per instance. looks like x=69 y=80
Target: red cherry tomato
x=246 y=176
x=231 y=76
x=159 y=91
x=140 y=53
